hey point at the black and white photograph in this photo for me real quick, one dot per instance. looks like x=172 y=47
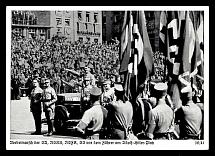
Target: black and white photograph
x=83 y=78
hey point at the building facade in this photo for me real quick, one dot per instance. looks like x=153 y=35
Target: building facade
x=74 y=25
x=112 y=25
x=30 y=24
x=77 y=25
x=113 y=21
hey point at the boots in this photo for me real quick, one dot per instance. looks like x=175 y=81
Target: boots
x=50 y=128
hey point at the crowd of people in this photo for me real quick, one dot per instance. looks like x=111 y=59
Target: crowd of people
x=49 y=58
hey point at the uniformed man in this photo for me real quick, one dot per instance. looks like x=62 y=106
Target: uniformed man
x=91 y=76
x=15 y=86
x=35 y=106
x=108 y=93
x=86 y=93
x=49 y=98
x=94 y=118
x=120 y=113
x=161 y=116
x=112 y=79
x=189 y=116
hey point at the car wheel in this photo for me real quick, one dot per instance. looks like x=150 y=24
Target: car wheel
x=60 y=121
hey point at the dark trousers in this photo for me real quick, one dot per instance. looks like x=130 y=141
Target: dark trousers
x=37 y=118
x=49 y=113
x=15 y=94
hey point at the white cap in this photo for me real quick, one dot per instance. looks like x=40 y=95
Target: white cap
x=161 y=86
x=118 y=87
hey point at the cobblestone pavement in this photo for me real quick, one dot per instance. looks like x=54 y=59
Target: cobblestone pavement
x=22 y=122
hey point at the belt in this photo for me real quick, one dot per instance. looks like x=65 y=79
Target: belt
x=90 y=132
x=190 y=137
x=117 y=127
x=160 y=135
x=46 y=100
x=94 y=136
x=166 y=135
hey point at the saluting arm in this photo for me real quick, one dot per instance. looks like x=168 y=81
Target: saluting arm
x=67 y=83
x=73 y=72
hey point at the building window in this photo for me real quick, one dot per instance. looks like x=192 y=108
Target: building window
x=78 y=28
x=94 y=28
x=115 y=18
x=18 y=31
x=67 y=22
x=59 y=21
x=87 y=17
x=86 y=26
x=103 y=19
x=79 y=16
x=59 y=13
x=32 y=33
x=96 y=18
x=42 y=31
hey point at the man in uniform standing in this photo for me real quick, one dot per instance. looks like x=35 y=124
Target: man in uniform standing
x=108 y=92
x=86 y=93
x=15 y=86
x=94 y=118
x=120 y=113
x=190 y=117
x=35 y=106
x=91 y=76
x=161 y=116
x=112 y=79
x=49 y=99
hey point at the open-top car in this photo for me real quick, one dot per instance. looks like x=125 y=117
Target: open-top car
x=68 y=111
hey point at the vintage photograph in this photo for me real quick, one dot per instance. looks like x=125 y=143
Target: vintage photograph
x=105 y=77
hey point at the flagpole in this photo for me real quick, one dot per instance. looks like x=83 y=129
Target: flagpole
x=165 y=65
x=166 y=56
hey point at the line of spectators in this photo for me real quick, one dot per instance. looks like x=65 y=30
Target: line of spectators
x=48 y=58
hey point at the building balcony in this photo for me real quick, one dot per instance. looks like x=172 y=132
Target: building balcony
x=30 y=26
x=88 y=33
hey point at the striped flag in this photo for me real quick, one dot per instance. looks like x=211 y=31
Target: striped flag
x=193 y=62
x=143 y=68
x=136 y=53
x=126 y=56
x=180 y=42
x=170 y=32
x=191 y=58
x=125 y=48
x=145 y=63
x=200 y=34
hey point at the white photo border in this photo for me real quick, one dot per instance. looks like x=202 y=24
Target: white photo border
x=111 y=144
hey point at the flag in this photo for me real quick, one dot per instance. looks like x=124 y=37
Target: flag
x=126 y=56
x=136 y=60
x=195 y=63
x=125 y=42
x=180 y=42
x=200 y=64
x=144 y=53
x=136 y=53
x=170 y=32
x=191 y=55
